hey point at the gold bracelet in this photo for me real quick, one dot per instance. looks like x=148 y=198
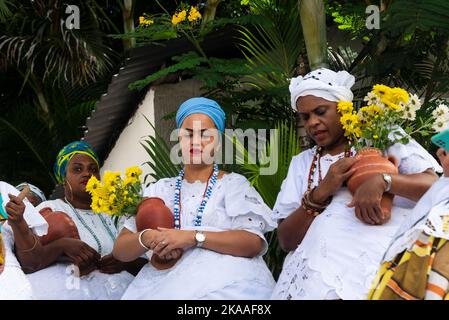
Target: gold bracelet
x=34 y=246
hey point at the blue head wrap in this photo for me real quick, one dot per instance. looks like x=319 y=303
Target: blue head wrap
x=67 y=153
x=201 y=105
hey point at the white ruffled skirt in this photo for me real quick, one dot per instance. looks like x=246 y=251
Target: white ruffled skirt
x=204 y=274
x=339 y=256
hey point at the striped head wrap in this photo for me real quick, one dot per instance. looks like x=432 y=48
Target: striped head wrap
x=67 y=153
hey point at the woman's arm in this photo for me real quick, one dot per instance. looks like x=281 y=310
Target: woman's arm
x=238 y=243
x=164 y=241
x=412 y=186
x=292 y=230
x=366 y=199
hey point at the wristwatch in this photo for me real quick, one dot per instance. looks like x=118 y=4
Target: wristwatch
x=200 y=237
x=387 y=179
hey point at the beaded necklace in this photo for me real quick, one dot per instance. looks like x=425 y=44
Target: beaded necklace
x=84 y=223
x=206 y=195
x=316 y=163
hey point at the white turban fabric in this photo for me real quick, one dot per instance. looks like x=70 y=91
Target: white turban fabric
x=322 y=83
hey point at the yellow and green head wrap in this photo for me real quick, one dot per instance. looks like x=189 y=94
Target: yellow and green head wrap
x=67 y=153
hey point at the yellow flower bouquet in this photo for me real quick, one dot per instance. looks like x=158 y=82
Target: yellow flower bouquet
x=376 y=126
x=116 y=196
x=381 y=121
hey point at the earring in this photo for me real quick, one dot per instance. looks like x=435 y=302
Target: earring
x=70 y=187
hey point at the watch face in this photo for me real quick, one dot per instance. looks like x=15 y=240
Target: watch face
x=200 y=237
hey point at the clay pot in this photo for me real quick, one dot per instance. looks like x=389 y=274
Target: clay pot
x=372 y=162
x=60 y=225
x=151 y=214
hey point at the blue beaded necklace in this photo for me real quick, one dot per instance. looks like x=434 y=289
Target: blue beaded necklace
x=84 y=223
x=206 y=196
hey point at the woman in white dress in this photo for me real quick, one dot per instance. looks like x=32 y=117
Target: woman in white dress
x=416 y=264
x=24 y=224
x=335 y=254
x=220 y=223
x=79 y=269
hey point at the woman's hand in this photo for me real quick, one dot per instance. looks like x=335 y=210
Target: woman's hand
x=172 y=239
x=80 y=254
x=366 y=201
x=173 y=255
x=338 y=173
x=108 y=264
x=15 y=209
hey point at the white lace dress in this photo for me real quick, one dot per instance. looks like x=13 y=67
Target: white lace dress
x=339 y=255
x=202 y=273
x=60 y=282
x=13 y=283
x=428 y=216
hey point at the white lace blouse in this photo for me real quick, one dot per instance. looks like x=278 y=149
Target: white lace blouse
x=339 y=256
x=202 y=273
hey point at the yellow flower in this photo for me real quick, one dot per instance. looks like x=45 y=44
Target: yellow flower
x=101 y=192
x=399 y=95
x=194 y=14
x=92 y=184
x=375 y=137
x=393 y=106
x=141 y=20
x=179 y=17
x=133 y=172
x=351 y=124
x=111 y=178
x=129 y=181
x=375 y=109
x=345 y=107
x=381 y=90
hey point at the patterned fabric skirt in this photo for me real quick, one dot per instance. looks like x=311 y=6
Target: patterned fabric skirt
x=2 y=254
x=419 y=273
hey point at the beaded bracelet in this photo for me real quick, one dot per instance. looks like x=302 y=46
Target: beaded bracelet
x=140 y=239
x=312 y=208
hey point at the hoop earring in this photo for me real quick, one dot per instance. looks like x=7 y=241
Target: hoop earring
x=70 y=187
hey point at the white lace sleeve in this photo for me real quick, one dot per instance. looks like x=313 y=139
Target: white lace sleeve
x=247 y=209
x=412 y=157
x=289 y=198
x=153 y=190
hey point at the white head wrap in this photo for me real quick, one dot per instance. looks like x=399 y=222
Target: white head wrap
x=322 y=83
x=35 y=190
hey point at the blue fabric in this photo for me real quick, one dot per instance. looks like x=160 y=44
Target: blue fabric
x=205 y=106
x=67 y=153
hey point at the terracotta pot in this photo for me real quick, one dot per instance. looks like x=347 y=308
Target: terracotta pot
x=372 y=162
x=60 y=225
x=151 y=214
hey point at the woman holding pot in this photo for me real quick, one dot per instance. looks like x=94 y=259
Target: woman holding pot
x=219 y=223
x=79 y=266
x=335 y=240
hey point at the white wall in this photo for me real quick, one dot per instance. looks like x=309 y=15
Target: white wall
x=128 y=151
x=159 y=101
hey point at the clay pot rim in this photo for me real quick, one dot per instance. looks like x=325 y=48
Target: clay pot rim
x=148 y=198
x=370 y=149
